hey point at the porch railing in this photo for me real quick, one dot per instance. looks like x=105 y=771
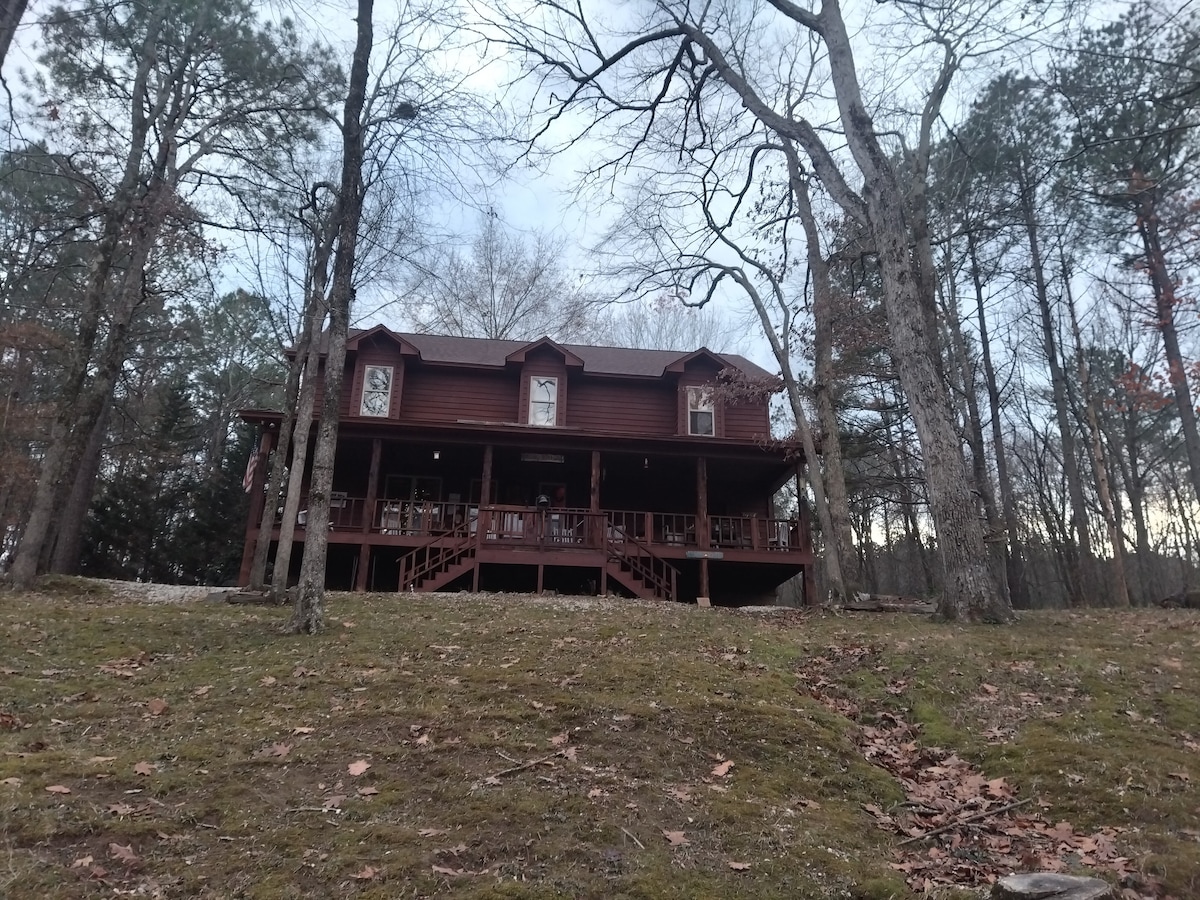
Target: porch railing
x=579 y=528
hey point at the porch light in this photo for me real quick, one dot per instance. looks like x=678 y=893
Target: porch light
x=646 y=462
x=437 y=454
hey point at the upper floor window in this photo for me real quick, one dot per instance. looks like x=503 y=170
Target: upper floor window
x=377 y=391
x=700 y=411
x=543 y=400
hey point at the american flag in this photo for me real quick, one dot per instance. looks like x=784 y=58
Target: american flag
x=251 y=465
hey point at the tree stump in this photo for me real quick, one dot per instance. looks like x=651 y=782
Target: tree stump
x=1048 y=886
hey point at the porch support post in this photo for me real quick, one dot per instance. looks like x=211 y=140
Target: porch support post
x=266 y=441
x=596 y=529
x=485 y=489
x=541 y=577
x=804 y=537
x=594 y=505
x=703 y=532
x=368 y=515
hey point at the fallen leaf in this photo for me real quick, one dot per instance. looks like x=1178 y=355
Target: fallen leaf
x=100 y=760
x=368 y=791
x=357 y=768
x=143 y=768
x=423 y=740
x=267 y=680
x=721 y=770
x=621 y=718
x=1182 y=776
x=675 y=838
x=989 y=688
x=432 y=832
x=12 y=782
x=568 y=753
x=82 y=862
x=442 y=870
x=120 y=809
x=680 y=793
x=303 y=729
x=58 y=789
x=368 y=873
x=202 y=690
x=123 y=854
x=594 y=793
x=334 y=802
x=279 y=750
x=157 y=706
x=739 y=866
x=560 y=740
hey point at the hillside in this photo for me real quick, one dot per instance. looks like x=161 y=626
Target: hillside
x=498 y=746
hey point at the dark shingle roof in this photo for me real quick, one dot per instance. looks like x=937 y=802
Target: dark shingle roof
x=438 y=348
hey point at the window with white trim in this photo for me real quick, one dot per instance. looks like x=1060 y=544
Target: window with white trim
x=376 y=392
x=543 y=401
x=701 y=419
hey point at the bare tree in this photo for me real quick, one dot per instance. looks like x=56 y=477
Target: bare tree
x=504 y=286
x=694 y=65
x=664 y=322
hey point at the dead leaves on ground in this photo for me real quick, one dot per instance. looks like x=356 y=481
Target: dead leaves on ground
x=958 y=826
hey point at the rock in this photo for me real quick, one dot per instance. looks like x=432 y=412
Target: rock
x=1049 y=886
x=252 y=598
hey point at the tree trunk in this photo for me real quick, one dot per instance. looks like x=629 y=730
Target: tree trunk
x=972 y=419
x=10 y=18
x=1165 y=300
x=969 y=591
x=1008 y=503
x=1078 y=550
x=1099 y=463
x=309 y=612
x=68 y=543
x=279 y=464
x=840 y=533
x=300 y=434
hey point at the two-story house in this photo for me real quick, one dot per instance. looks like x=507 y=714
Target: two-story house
x=467 y=463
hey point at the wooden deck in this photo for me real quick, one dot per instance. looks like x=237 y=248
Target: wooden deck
x=430 y=545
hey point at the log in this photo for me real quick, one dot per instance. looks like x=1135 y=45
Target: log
x=1051 y=886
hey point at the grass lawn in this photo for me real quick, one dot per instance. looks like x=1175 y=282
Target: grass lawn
x=504 y=747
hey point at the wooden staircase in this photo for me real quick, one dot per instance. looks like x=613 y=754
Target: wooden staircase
x=637 y=567
x=440 y=560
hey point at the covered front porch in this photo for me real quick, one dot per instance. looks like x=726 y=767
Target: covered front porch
x=447 y=512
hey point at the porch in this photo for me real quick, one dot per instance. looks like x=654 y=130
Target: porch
x=651 y=520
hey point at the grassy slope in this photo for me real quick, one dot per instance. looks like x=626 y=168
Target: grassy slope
x=249 y=794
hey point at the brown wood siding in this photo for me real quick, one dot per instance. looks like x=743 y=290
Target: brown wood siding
x=386 y=355
x=544 y=362
x=627 y=407
x=746 y=421
x=446 y=395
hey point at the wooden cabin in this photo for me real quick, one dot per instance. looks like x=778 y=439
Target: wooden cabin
x=474 y=464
